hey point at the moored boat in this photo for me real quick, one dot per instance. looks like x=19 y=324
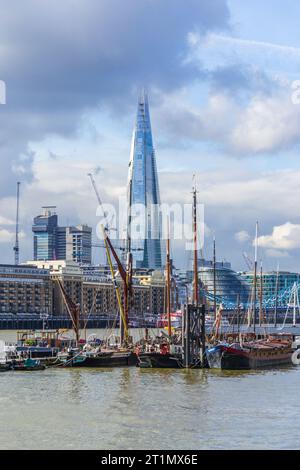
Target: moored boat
x=160 y=355
x=97 y=358
x=27 y=365
x=269 y=352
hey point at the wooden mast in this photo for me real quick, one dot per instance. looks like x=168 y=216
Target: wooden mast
x=215 y=280
x=276 y=296
x=168 y=284
x=127 y=287
x=261 y=295
x=196 y=285
x=73 y=310
x=255 y=278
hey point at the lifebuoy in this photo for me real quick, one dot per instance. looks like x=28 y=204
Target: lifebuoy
x=296 y=357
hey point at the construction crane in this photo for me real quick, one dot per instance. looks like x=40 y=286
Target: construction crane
x=249 y=262
x=106 y=228
x=16 y=246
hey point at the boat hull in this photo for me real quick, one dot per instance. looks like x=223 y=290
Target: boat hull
x=158 y=361
x=111 y=359
x=255 y=356
x=235 y=360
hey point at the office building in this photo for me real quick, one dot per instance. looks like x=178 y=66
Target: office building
x=78 y=242
x=285 y=281
x=44 y=235
x=52 y=242
x=230 y=286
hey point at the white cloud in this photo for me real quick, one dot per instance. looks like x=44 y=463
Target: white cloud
x=264 y=123
x=283 y=237
x=7 y=236
x=214 y=39
x=242 y=236
x=271 y=253
x=267 y=124
x=6 y=221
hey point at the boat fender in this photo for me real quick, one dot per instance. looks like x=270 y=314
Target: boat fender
x=296 y=357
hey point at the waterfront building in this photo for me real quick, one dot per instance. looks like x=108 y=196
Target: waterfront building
x=25 y=289
x=52 y=242
x=100 y=298
x=229 y=285
x=286 y=281
x=207 y=263
x=93 y=289
x=143 y=190
x=70 y=275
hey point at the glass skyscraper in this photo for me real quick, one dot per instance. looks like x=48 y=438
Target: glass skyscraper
x=143 y=193
x=51 y=242
x=44 y=235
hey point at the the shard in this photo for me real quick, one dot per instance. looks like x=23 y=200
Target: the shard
x=144 y=224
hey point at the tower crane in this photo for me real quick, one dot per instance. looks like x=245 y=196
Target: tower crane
x=16 y=246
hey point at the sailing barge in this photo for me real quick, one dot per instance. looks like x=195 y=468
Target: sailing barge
x=270 y=352
x=174 y=350
x=104 y=358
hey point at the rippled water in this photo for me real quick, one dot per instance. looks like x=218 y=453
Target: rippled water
x=152 y=409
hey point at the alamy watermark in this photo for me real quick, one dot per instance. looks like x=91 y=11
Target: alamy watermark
x=154 y=221
x=2 y=92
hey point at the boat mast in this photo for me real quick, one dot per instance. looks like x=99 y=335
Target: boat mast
x=73 y=310
x=215 y=280
x=123 y=319
x=196 y=287
x=276 y=296
x=255 y=278
x=168 y=283
x=261 y=295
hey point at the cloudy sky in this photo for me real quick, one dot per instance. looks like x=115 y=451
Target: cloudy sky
x=220 y=77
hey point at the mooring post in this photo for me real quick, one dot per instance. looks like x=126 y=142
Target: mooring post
x=187 y=337
x=203 y=339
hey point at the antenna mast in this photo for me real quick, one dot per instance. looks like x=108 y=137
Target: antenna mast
x=16 y=247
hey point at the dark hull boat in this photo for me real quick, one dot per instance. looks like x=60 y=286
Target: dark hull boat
x=27 y=365
x=101 y=359
x=158 y=360
x=251 y=355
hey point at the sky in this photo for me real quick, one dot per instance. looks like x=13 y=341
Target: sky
x=220 y=77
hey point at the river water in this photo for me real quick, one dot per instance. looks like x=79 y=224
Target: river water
x=131 y=408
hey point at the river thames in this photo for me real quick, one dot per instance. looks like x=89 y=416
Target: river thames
x=129 y=408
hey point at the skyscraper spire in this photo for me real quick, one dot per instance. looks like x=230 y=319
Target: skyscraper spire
x=143 y=192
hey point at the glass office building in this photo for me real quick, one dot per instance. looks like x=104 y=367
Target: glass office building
x=230 y=286
x=51 y=242
x=286 y=281
x=44 y=235
x=143 y=193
